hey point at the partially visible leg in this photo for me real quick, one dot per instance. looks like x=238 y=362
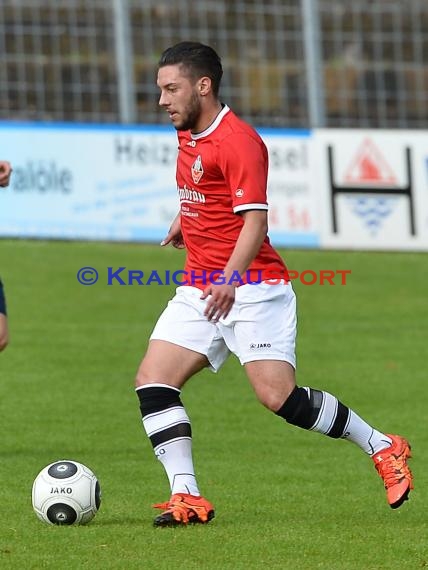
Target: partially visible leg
x=4 y=333
x=316 y=410
x=162 y=372
x=275 y=386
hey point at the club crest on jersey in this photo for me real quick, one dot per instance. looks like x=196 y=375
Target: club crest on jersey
x=197 y=169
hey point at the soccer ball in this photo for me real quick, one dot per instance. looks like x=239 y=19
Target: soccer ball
x=66 y=492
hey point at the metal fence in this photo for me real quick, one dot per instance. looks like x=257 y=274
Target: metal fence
x=288 y=63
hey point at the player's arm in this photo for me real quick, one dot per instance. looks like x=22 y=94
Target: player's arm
x=250 y=240
x=247 y=246
x=174 y=236
x=5 y=172
x=4 y=334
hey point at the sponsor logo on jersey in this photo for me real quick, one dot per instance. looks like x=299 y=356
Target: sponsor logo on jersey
x=197 y=169
x=239 y=193
x=188 y=195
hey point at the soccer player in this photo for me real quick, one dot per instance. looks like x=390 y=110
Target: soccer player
x=5 y=172
x=229 y=302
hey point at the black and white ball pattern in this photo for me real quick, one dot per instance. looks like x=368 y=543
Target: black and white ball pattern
x=66 y=492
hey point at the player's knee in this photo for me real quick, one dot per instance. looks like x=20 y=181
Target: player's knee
x=144 y=375
x=140 y=379
x=272 y=400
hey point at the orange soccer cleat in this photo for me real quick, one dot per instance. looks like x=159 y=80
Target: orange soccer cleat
x=182 y=509
x=391 y=464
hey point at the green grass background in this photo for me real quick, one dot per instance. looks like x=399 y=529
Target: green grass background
x=284 y=498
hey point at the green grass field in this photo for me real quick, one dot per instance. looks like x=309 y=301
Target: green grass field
x=284 y=498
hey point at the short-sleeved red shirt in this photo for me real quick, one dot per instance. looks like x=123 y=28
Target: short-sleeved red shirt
x=220 y=173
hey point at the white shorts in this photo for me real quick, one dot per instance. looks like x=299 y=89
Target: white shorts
x=260 y=326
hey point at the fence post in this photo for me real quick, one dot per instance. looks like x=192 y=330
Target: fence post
x=124 y=61
x=313 y=63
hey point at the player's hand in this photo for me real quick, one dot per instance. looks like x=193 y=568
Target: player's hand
x=221 y=299
x=5 y=172
x=174 y=236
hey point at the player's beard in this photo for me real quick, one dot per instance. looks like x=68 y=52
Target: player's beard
x=191 y=114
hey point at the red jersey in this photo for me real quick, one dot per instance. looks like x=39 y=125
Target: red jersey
x=220 y=173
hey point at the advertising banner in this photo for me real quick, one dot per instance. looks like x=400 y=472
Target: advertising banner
x=81 y=182
x=293 y=209
x=118 y=183
x=373 y=187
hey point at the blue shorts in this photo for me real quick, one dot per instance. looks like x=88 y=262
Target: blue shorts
x=2 y=300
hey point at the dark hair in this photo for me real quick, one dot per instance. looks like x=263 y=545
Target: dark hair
x=198 y=59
